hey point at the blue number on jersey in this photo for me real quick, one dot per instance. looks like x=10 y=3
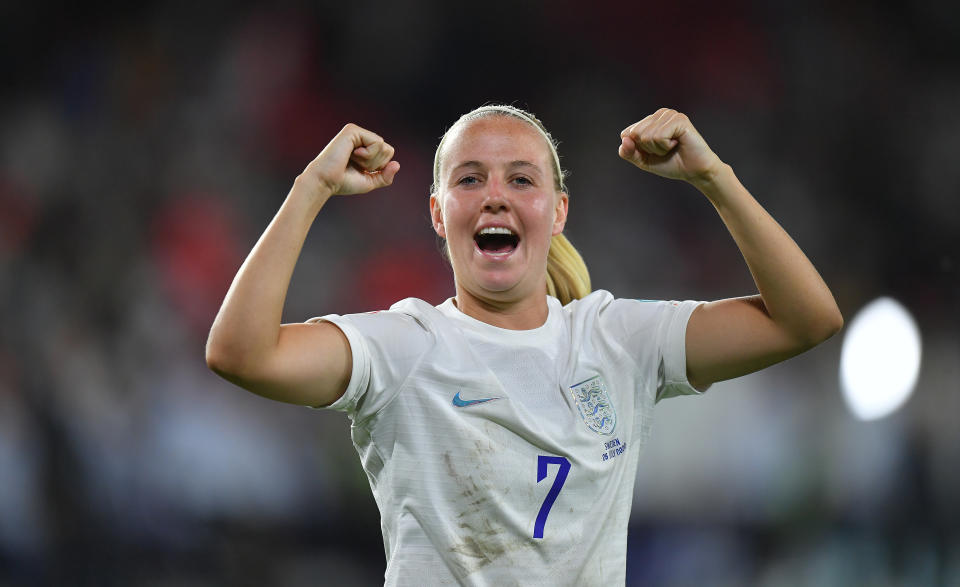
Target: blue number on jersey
x=542 y=462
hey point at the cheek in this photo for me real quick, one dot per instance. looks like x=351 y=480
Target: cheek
x=458 y=242
x=455 y=220
x=542 y=210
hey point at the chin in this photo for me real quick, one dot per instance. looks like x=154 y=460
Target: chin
x=500 y=279
x=496 y=286
x=503 y=287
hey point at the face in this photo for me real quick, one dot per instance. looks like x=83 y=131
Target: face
x=497 y=207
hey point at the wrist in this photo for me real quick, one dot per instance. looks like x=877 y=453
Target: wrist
x=714 y=182
x=311 y=191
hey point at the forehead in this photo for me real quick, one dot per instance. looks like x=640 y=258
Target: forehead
x=496 y=139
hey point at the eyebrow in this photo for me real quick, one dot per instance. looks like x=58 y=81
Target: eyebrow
x=511 y=165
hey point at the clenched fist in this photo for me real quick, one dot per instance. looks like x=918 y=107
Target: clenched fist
x=666 y=144
x=356 y=161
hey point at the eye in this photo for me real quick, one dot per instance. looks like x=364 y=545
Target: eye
x=467 y=180
x=523 y=180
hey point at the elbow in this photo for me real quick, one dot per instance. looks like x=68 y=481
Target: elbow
x=233 y=359
x=832 y=322
x=218 y=361
x=223 y=361
x=825 y=327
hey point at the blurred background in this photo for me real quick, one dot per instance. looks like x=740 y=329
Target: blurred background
x=143 y=149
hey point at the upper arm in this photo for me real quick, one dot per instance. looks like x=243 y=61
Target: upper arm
x=733 y=337
x=310 y=365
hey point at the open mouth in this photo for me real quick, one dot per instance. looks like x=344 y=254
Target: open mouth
x=496 y=240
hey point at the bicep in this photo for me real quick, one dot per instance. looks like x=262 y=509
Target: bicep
x=734 y=337
x=310 y=365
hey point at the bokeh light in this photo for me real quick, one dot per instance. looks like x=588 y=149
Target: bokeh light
x=880 y=360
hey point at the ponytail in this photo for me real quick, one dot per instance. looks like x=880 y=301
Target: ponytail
x=567 y=275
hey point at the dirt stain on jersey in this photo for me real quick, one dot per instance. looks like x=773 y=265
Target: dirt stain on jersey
x=482 y=539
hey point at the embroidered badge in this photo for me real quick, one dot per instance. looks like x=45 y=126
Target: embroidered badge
x=594 y=405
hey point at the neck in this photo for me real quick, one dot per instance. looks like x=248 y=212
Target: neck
x=524 y=314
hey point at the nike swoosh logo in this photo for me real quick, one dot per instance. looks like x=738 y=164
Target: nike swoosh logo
x=462 y=403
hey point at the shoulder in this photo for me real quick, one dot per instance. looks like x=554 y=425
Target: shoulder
x=415 y=307
x=588 y=313
x=601 y=303
x=622 y=316
x=592 y=303
x=602 y=300
x=408 y=318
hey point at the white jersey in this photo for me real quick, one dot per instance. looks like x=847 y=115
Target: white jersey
x=505 y=457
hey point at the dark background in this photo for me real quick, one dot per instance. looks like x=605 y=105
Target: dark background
x=144 y=148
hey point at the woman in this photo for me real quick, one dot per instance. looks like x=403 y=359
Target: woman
x=500 y=430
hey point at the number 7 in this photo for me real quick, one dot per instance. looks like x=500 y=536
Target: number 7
x=542 y=462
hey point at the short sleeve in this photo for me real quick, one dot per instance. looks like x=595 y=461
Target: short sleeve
x=672 y=336
x=654 y=333
x=385 y=346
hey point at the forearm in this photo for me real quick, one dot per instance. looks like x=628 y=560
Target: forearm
x=247 y=327
x=794 y=295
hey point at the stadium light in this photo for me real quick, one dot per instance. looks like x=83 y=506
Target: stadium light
x=880 y=360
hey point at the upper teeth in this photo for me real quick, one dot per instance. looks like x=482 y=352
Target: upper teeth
x=495 y=230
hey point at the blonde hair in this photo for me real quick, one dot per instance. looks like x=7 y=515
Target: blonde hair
x=567 y=276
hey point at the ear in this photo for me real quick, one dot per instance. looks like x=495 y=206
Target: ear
x=436 y=216
x=561 y=213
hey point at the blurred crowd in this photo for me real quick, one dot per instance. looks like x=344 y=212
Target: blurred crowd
x=143 y=149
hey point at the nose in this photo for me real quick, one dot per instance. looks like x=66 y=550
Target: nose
x=495 y=199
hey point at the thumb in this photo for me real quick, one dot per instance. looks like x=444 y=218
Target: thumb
x=389 y=172
x=382 y=177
